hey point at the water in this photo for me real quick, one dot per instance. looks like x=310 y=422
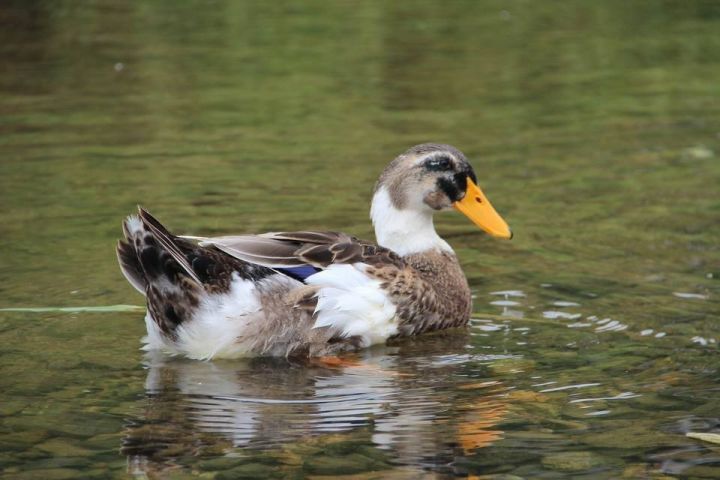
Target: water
x=594 y=129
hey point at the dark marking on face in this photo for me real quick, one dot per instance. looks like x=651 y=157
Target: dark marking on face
x=469 y=172
x=456 y=186
x=461 y=181
x=451 y=188
x=438 y=163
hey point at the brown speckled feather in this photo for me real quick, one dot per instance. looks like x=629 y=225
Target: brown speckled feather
x=430 y=292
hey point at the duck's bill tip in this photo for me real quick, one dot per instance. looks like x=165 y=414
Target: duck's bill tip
x=505 y=235
x=480 y=211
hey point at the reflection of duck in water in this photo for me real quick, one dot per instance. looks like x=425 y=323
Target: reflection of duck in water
x=314 y=293
x=393 y=400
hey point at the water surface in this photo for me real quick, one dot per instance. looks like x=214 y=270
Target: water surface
x=594 y=129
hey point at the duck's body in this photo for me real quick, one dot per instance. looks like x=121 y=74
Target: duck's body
x=312 y=293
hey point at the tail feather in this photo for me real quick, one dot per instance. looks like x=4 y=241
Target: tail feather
x=151 y=259
x=167 y=240
x=129 y=264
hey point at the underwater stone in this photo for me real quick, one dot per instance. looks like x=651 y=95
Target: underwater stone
x=573 y=461
x=20 y=441
x=643 y=470
x=91 y=426
x=222 y=463
x=48 y=474
x=709 y=409
x=344 y=448
x=499 y=460
x=353 y=463
x=249 y=471
x=512 y=366
x=63 y=448
x=11 y=407
x=61 y=462
x=558 y=424
x=104 y=441
x=634 y=436
x=702 y=471
x=373 y=453
x=6 y=459
x=32 y=454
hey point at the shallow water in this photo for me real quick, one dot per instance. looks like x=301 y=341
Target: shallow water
x=594 y=129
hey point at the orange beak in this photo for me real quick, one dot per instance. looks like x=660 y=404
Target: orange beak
x=477 y=208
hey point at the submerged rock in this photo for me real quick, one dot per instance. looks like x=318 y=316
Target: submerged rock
x=633 y=436
x=250 y=471
x=512 y=366
x=11 y=407
x=643 y=470
x=353 y=463
x=702 y=471
x=62 y=448
x=573 y=461
x=222 y=463
x=48 y=474
x=20 y=441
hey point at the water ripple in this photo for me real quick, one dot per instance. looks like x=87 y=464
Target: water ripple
x=619 y=396
x=570 y=387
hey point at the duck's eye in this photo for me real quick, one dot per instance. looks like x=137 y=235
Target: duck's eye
x=438 y=164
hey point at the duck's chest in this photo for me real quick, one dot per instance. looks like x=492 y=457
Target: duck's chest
x=441 y=297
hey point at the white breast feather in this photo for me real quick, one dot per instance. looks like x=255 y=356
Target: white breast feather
x=354 y=303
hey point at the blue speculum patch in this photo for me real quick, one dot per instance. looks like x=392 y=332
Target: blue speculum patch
x=299 y=273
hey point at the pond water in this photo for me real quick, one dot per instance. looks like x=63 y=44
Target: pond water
x=594 y=129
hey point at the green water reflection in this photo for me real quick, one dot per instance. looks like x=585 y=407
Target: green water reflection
x=594 y=128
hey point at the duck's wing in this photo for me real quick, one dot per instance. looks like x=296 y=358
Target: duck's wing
x=299 y=249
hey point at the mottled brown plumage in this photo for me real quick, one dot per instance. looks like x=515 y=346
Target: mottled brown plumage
x=309 y=293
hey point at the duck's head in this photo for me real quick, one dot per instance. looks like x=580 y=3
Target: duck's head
x=425 y=179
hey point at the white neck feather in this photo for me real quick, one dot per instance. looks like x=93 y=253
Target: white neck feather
x=403 y=231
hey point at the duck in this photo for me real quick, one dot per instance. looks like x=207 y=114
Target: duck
x=308 y=294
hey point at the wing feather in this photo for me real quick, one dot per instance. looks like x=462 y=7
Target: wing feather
x=309 y=237
x=264 y=259
x=294 y=249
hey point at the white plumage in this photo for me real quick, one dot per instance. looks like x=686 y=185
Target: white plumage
x=404 y=231
x=218 y=326
x=134 y=225
x=354 y=304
